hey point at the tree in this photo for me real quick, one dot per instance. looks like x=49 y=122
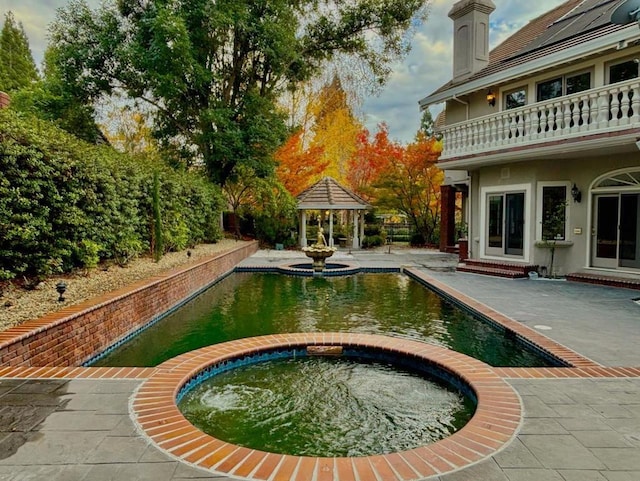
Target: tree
x=17 y=68
x=49 y=99
x=412 y=186
x=370 y=159
x=427 y=123
x=213 y=71
x=335 y=129
x=297 y=168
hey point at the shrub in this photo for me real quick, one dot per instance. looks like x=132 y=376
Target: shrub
x=65 y=204
x=372 y=241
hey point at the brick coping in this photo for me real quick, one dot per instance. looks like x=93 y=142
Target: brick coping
x=496 y=420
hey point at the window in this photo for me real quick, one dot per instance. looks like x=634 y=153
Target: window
x=565 y=85
x=515 y=98
x=623 y=71
x=553 y=212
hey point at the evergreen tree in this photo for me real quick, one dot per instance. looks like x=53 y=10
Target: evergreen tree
x=17 y=68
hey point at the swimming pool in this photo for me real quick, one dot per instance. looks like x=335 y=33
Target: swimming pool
x=253 y=304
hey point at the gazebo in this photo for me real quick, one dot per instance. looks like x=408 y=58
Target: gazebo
x=326 y=196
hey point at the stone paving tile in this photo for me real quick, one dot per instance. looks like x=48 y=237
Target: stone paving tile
x=485 y=471
x=80 y=421
x=516 y=455
x=556 y=451
x=137 y=472
x=542 y=426
x=114 y=449
x=619 y=458
x=536 y=408
x=100 y=403
x=48 y=473
x=55 y=447
x=581 y=475
x=601 y=439
x=532 y=475
x=184 y=471
x=622 y=475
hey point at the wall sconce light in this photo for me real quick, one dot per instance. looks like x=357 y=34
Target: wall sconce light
x=61 y=287
x=576 y=194
x=491 y=98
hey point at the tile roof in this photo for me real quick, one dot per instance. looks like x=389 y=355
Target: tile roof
x=327 y=193
x=569 y=24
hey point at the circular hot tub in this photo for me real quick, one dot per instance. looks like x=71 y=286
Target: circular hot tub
x=494 y=423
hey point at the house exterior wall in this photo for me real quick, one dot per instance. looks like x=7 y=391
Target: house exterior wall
x=581 y=171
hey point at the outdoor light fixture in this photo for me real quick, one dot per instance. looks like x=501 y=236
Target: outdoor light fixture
x=576 y=194
x=61 y=287
x=491 y=98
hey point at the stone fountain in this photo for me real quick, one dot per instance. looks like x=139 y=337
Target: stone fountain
x=319 y=252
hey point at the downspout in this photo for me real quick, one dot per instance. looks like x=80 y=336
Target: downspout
x=463 y=103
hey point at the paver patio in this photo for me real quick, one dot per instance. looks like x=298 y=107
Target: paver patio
x=582 y=427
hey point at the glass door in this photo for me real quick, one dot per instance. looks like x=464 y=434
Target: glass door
x=514 y=231
x=629 y=251
x=605 y=245
x=505 y=224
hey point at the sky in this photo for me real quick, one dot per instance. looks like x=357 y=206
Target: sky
x=422 y=71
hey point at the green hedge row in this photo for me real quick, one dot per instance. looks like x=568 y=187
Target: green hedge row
x=65 y=204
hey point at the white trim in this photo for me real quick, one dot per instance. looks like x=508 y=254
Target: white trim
x=579 y=51
x=567 y=215
x=506 y=189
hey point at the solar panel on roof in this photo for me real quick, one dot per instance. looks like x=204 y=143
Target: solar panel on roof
x=589 y=15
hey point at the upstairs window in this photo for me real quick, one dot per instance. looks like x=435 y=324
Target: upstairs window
x=564 y=85
x=515 y=98
x=623 y=71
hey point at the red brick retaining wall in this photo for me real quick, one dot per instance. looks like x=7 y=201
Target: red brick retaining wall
x=73 y=335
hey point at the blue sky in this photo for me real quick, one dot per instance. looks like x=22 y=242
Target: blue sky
x=426 y=68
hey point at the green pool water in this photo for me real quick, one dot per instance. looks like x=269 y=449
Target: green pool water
x=325 y=407
x=253 y=304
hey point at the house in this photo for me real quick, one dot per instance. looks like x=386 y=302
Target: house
x=541 y=138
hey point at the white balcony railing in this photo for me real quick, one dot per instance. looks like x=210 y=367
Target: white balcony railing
x=609 y=108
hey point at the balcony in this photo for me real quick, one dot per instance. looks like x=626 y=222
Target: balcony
x=591 y=118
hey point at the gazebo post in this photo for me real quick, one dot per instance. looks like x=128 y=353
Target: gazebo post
x=330 y=228
x=356 y=239
x=303 y=228
x=361 y=214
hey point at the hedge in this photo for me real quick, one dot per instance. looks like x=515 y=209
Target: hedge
x=66 y=204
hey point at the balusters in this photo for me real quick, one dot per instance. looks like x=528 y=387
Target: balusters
x=567 y=121
x=635 y=103
x=614 y=112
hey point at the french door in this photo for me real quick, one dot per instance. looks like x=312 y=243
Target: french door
x=505 y=224
x=616 y=230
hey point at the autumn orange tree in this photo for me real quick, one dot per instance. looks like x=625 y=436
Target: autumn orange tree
x=411 y=185
x=298 y=168
x=371 y=157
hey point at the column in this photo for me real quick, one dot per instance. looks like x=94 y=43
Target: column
x=447 y=216
x=361 y=214
x=303 y=228
x=330 y=240
x=356 y=239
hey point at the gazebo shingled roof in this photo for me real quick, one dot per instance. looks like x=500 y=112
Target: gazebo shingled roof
x=328 y=194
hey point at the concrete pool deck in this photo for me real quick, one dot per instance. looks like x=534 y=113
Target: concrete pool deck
x=75 y=423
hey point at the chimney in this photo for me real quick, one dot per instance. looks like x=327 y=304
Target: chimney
x=4 y=100
x=470 y=36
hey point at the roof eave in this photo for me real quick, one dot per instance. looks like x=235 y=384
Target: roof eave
x=582 y=50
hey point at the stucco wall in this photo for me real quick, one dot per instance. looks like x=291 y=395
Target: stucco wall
x=581 y=171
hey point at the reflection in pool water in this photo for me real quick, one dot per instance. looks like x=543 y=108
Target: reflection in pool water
x=253 y=304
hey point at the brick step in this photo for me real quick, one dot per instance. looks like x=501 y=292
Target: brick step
x=591 y=278
x=502 y=265
x=492 y=271
x=452 y=249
